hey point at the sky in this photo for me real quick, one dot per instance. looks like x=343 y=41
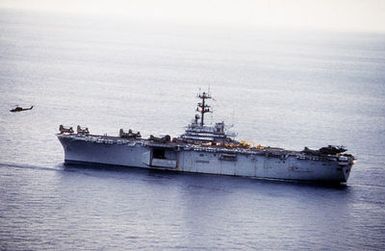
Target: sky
x=342 y=15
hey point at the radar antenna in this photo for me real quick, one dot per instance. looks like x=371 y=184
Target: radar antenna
x=202 y=106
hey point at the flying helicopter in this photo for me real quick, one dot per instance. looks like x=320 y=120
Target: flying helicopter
x=20 y=109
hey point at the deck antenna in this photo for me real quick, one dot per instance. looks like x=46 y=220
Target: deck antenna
x=233 y=116
x=212 y=108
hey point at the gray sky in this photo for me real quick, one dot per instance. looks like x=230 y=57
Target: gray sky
x=345 y=15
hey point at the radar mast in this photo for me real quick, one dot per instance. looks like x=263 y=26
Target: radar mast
x=202 y=106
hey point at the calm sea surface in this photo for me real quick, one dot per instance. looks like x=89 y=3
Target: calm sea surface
x=278 y=88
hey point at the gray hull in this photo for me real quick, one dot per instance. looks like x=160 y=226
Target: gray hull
x=194 y=159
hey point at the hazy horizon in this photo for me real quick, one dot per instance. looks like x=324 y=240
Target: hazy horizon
x=341 y=15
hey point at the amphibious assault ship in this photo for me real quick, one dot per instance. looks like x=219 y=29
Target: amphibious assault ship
x=206 y=149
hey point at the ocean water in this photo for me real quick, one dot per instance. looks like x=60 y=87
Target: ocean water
x=280 y=88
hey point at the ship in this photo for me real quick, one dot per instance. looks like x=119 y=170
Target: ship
x=206 y=149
